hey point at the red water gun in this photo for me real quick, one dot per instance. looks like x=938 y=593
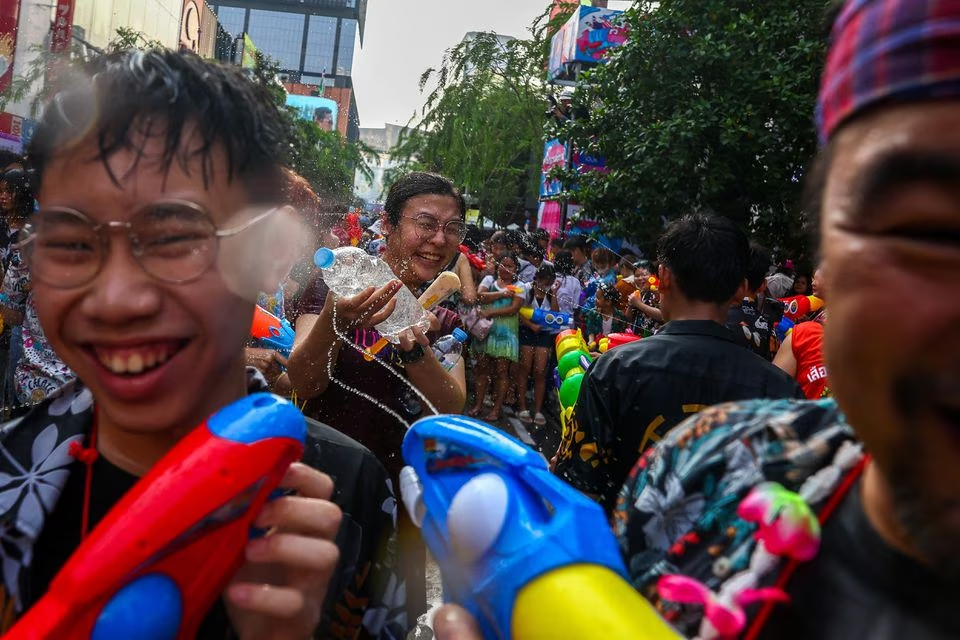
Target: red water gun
x=161 y=557
x=475 y=261
x=796 y=307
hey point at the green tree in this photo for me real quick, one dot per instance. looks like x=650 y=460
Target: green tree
x=482 y=122
x=326 y=159
x=708 y=106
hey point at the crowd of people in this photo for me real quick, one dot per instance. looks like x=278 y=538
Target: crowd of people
x=154 y=209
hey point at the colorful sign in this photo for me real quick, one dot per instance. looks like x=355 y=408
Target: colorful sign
x=584 y=40
x=549 y=217
x=248 y=53
x=321 y=111
x=9 y=12
x=198 y=28
x=554 y=155
x=584 y=162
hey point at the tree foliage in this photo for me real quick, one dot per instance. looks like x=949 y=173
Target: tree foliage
x=326 y=159
x=481 y=124
x=708 y=106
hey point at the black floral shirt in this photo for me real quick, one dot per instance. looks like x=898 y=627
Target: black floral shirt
x=365 y=598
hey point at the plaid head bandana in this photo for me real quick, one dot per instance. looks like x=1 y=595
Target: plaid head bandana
x=896 y=50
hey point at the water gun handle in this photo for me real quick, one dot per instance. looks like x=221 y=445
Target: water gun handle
x=524 y=569
x=157 y=562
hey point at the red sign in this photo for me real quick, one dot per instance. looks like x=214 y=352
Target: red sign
x=9 y=11
x=62 y=27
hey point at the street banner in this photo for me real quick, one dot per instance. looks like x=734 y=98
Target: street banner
x=320 y=111
x=554 y=155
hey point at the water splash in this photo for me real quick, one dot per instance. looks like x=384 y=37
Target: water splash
x=362 y=394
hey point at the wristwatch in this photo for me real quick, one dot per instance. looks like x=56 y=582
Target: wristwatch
x=414 y=355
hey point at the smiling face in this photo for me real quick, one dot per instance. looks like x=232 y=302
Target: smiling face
x=158 y=357
x=507 y=269
x=417 y=259
x=891 y=222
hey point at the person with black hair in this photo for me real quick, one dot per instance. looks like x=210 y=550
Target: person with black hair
x=33 y=370
x=579 y=248
x=153 y=318
x=568 y=285
x=501 y=297
x=423 y=222
x=605 y=315
x=634 y=394
x=753 y=315
x=536 y=342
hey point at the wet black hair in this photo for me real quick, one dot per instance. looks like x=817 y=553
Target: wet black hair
x=508 y=255
x=563 y=263
x=577 y=242
x=759 y=265
x=545 y=272
x=194 y=106
x=609 y=292
x=18 y=181
x=707 y=254
x=419 y=183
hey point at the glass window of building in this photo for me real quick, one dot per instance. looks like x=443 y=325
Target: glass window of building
x=279 y=35
x=321 y=39
x=231 y=19
x=348 y=37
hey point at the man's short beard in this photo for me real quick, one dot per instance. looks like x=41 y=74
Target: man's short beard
x=938 y=548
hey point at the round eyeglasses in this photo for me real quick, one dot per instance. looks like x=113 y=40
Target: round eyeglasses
x=427 y=226
x=174 y=241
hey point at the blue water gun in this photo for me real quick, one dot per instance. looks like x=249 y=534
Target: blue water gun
x=527 y=554
x=546 y=318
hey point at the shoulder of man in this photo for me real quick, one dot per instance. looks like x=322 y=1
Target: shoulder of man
x=363 y=594
x=677 y=511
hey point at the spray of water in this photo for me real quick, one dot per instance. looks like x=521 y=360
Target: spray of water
x=363 y=394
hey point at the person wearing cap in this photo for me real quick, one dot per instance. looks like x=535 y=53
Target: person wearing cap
x=867 y=484
x=885 y=515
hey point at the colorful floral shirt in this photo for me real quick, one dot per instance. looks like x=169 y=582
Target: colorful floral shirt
x=677 y=514
x=40 y=371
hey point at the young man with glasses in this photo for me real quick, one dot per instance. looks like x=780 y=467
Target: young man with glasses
x=158 y=176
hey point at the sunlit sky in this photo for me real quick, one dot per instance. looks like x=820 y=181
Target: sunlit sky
x=405 y=37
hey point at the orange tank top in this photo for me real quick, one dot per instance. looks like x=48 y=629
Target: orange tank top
x=808 y=351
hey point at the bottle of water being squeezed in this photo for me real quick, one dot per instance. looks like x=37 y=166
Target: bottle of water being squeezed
x=448 y=349
x=350 y=270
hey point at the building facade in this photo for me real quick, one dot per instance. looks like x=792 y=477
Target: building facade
x=313 y=41
x=381 y=141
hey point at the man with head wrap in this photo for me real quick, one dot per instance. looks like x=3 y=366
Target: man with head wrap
x=857 y=541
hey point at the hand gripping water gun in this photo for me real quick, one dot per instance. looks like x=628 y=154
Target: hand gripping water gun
x=161 y=557
x=615 y=340
x=796 y=307
x=272 y=332
x=528 y=555
x=546 y=318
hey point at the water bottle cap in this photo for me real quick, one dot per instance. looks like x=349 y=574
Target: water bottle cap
x=324 y=258
x=460 y=335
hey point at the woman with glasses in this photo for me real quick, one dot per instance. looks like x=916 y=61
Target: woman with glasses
x=374 y=402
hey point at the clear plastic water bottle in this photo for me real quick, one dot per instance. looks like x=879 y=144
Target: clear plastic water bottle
x=448 y=349
x=350 y=270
